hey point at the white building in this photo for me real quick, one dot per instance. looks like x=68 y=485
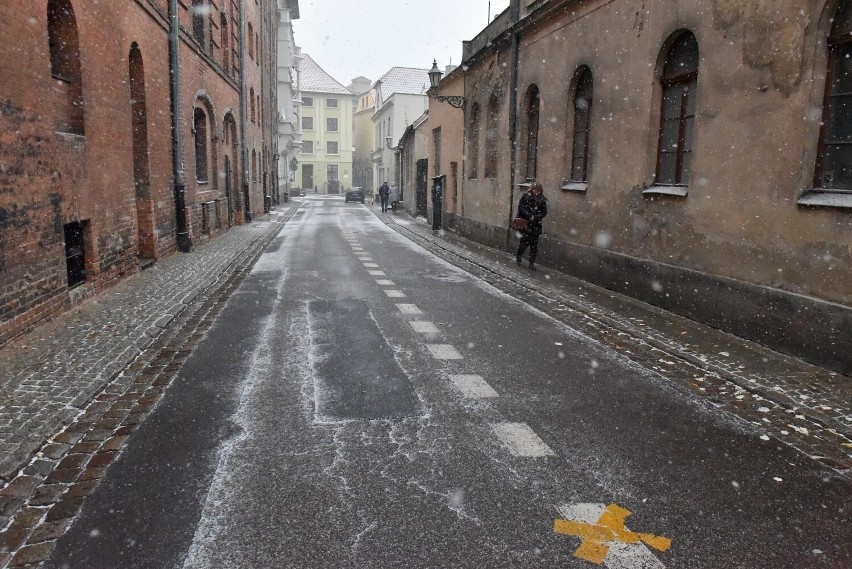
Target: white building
x=289 y=132
x=400 y=99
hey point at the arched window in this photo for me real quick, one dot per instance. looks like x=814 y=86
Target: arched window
x=582 y=114
x=200 y=124
x=64 y=45
x=834 y=159
x=251 y=103
x=250 y=40
x=139 y=121
x=473 y=150
x=679 y=88
x=491 y=137
x=533 y=109
x=226 y=36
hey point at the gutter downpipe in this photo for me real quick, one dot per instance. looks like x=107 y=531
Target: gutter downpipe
x=243 y=112
x=184 y=242
x=514 y=16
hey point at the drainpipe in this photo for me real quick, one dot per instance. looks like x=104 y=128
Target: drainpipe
x=184 y=242
x=514 y=16
x=243 y=113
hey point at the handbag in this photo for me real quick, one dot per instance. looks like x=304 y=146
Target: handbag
x=519 y=224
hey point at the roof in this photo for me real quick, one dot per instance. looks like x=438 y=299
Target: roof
x=314 y=79
x=404 y=80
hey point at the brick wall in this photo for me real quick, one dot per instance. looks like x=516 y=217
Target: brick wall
x=49 y=179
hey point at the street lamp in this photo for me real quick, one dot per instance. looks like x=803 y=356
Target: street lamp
x=456 y=101
x=389 y=142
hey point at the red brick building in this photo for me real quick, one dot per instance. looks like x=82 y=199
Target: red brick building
x=108 y=160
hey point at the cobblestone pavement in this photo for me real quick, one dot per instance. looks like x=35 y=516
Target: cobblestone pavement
x=50 y=375
x=799 y=404
x=73 y=389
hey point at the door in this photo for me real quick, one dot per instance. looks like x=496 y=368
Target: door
x=422 y=183
x=307 y=177
x=229 y=188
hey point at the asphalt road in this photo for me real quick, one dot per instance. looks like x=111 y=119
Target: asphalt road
x=361 y=403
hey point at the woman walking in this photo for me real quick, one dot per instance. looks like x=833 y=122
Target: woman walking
x=533 y=208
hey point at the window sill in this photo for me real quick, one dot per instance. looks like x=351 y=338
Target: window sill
x=826 y=198
x=575 y=187
x=202 y=182
x=679 y=191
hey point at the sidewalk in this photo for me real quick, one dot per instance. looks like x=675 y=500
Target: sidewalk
x=799 y=403
x=50 y=375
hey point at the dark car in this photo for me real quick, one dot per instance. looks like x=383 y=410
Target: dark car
x=354 y=194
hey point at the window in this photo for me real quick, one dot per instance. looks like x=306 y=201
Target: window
x=332 y=173
x=307 y=147
x=257 y=45
x=679 y=82
x=307 y=123
x=250 y=40
x=75 y=252
x=251 y=103
x=533 y=109
x=225 y=38
x=331 y=103
x=582 y=113
x=199 y=12
x=64 y=46
x=138 y=121
x=473 y=150
x=331 y=147
x=258 y=108
x=331 y=125
x=834 y=159
x=307 y=101
x=491 y=137
x=200 y=126
x=254 y=166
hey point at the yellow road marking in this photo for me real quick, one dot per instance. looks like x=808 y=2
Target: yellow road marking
x=609 y=528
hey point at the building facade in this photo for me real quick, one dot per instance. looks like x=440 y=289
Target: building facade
x=692 y=158
x=128 y=133
x=289 y=127
x=363 y=137
x=400 y=98
x=325 y=158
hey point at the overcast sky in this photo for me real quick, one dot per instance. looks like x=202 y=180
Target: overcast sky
x=349 y=38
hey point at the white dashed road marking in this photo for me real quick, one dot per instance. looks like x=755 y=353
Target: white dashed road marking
x=424 y=327
x=377 y=273
x=384 y=282
x=394 y=293
x=473 y=386
x=371 y=265
x=443 y=351
x=409 y=309
x=521 y=440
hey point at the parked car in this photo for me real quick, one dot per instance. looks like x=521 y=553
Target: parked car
x=354 y=194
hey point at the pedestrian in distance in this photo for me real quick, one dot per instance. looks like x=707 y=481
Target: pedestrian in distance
x=384 y=193
x=533 y=208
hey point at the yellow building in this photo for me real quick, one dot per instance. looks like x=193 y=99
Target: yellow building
x=325 y=160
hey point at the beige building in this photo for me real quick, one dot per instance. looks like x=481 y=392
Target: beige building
x=696 y=158
x=325 y=158
x=363 y=134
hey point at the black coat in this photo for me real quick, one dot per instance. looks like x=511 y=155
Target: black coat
x=533 y=210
